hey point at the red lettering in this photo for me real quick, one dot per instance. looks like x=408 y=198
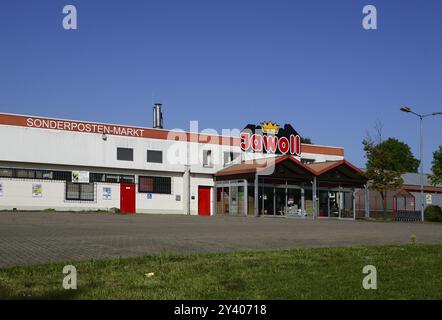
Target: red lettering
x=270 y=143
x=298 y=145
x=245 y=141
x=292 y=144
x=283 y=145
x=257 y=142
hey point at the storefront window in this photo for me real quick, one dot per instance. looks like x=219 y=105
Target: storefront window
x=251 y=200
x=219 y=204
x=294 y=202
x=240 y=200
x=226 y=208
x=233 y=200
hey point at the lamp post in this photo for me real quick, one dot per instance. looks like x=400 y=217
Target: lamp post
x=421 y=123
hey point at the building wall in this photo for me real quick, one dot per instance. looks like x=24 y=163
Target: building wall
x=52 y=149
x=436 y=199
x=33 y=145
x=18 y=194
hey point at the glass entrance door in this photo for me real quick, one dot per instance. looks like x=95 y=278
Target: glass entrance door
x=280 y=201
x=267 y=199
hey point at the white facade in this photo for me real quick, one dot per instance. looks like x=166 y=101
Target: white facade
x=26 y=147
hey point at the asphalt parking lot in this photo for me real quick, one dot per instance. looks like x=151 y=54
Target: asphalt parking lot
x=39 y=237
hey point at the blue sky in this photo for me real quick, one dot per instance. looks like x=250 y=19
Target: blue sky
x=228 y=63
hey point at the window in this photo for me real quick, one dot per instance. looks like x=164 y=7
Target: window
x=80 y=191
x=35 y=174
x=47 y=175
x=155 y=184
x=125 y=154
x=8 y=173
x=207 y=158
x=127 y=179
x=154 y=156
x=230 y=156
x=25 y=174
x=62 y=175
x=97 y=177
x=111 y=178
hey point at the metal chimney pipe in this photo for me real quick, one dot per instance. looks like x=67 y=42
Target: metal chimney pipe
x=157 y=116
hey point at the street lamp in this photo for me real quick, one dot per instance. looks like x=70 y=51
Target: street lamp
x=421 y=117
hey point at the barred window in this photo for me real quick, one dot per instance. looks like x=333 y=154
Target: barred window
x=80 y=191
x=155 y=185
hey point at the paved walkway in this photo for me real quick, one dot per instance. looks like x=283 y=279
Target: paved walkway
x=35 y=238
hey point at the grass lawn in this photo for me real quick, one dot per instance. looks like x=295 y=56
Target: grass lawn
x=404 y=272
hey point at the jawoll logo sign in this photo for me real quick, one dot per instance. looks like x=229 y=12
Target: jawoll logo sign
x=270 y=138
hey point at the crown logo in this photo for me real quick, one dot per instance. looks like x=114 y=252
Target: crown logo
x=269 y=127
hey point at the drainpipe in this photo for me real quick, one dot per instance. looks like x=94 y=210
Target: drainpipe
x=186 y=193
x=256 y=196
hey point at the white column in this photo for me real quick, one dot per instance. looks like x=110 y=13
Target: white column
x=302 y=199
x=246 y=198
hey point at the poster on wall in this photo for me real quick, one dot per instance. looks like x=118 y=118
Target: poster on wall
x=107 y=193
x=1 y=189
x=80 y=176
x=37 y=190
x=429 y=199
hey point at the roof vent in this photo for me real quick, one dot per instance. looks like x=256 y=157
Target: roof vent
x=157 y=116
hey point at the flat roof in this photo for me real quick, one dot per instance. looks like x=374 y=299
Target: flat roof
x=38 y=122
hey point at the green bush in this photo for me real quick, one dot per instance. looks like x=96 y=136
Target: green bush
x=433 y=213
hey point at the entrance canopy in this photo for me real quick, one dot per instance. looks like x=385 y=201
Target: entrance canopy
x=331 y=172
x=339 y=173
x=283 y=185
x=286 y=167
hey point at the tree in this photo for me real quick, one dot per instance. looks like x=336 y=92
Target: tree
x=386 y=162
x=306 y=140
x=436 y=177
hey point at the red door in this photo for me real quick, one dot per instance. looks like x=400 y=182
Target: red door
x=127 y=198
x=203 y=201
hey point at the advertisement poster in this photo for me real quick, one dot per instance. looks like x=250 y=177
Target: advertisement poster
x=107 y=193
x=429 y=198
x=1 y=189
x=36 y=190
x=80 y=176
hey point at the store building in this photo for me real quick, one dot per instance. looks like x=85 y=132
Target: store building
x=73 y=165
